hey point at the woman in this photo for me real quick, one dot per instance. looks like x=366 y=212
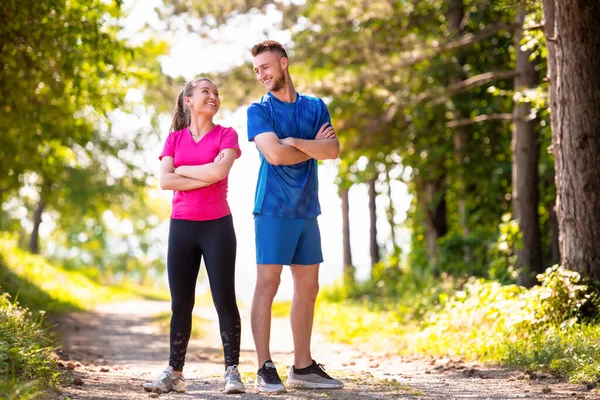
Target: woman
x=194 y=163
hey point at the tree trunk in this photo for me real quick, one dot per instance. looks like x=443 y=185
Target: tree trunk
x=34 y=241
x=554 y=249
x=434 y=203
x=525 y=157
x=573 y=40
x=349 y=279
x=374 y=247
x=391 y=211
x=455 y=19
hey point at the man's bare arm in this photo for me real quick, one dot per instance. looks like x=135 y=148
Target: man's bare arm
x=326 y=149
x=325 y=146
x=276 y=152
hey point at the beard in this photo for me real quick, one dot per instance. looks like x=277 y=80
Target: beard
x=277 y=84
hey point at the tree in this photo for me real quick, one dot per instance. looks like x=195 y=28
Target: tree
x=431 y=82
x=373 y=245
x=525 y=161
x=573 y=41
x=65 y=71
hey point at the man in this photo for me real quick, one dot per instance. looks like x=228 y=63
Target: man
x=292 y=131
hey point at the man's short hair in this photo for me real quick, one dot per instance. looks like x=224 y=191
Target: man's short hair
x=268 y=45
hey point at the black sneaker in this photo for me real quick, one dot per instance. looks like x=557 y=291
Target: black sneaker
x=312 y=377
x=268 y=380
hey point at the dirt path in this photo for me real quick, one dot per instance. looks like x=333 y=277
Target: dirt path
x=116 y=348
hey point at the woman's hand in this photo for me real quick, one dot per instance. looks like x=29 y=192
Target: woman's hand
x=219 y=157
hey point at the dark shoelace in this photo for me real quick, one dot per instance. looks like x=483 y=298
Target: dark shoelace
x=320 y=370
x=270 y=375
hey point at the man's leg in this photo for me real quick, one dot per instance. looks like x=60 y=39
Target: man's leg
x=268 y=277
x=306 y=288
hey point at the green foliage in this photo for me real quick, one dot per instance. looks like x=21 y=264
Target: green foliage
x=65 y=73
x=521 y=327
x=502 y=254
x=560 y=300
x=387 y=306
x=281 y=309
x=43 y=286
x=463 y=254
x=26 y=363
x=572 y=353
x=552 y=327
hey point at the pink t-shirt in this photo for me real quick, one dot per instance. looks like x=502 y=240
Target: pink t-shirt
x=209 y=202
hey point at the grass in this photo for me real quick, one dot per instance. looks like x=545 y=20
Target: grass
x=281 y=309
x=573 y=354
x=355 y=323
x=541 y=329
x=33 y=281
x=27 y=366
x=26 y=363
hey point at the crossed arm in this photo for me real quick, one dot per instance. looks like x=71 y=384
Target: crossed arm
x=291 y=151
x=189 y=177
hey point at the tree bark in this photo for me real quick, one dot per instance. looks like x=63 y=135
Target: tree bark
x=434 y=203
x=554 y=249
x=34 y=241
x=573 y=40
x=525 y=157
x=455 y=23
x=391 y=211
x=374 y=247
x=348 y=266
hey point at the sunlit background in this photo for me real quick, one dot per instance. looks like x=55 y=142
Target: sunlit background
x=191 y=55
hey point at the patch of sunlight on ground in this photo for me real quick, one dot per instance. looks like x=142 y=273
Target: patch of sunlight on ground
x=163 y=321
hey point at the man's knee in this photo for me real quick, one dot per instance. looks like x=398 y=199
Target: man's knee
x=267 y=286
x=308 y=292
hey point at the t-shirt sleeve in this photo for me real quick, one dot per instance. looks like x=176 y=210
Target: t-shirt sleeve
x=258 y=122
x=229 y=140
x=325 y=117
x=168 y=148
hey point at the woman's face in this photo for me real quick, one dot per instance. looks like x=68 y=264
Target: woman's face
x=204 y=99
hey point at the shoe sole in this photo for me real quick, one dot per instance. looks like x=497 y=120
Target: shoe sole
x=312 y=385
x=267 y=390
x=234 y=391
x=179 y=390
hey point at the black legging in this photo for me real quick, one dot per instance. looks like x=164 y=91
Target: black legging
x=188 y=242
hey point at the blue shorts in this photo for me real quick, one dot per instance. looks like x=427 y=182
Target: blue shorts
x=287 y=241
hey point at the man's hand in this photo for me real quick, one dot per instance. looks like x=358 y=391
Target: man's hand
x=326 y=132
x=288 y=141
x=316 y=148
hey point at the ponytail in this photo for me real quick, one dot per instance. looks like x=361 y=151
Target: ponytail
x=181 y=114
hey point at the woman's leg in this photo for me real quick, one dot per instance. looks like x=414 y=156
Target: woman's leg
x=219 y=244
x=183 y=264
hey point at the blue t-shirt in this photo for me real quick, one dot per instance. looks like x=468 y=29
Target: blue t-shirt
x=289 y=191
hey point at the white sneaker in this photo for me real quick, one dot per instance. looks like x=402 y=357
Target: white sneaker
x=312 y=377
x=168 y=380
x=233 y=380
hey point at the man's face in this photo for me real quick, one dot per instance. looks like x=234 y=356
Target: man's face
x=269 y=70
